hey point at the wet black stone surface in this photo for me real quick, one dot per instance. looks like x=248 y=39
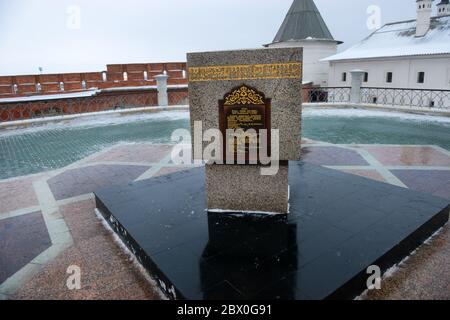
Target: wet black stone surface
x=339 y=225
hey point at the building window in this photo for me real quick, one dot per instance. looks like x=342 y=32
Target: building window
x=389 y=77
x=421 y=77
x=38 y=87
x=83 y=85
x=366 y=77
x=125 y=76
x=145 y=75
x=104 y=77
x=344 y=77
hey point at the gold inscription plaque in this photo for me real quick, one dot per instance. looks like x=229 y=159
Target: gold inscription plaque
x=245 y=108
x=291 y=70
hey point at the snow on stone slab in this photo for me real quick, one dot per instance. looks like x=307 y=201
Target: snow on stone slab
x=82 y=94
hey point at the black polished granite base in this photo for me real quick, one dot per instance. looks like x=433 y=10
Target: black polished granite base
x=338 y=226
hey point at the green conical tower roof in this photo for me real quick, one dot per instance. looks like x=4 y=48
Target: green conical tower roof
x=303 y=21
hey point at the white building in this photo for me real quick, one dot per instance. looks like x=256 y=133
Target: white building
x=411 y=54
x=305 y=27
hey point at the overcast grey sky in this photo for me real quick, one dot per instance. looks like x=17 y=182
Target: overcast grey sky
x=47 y=33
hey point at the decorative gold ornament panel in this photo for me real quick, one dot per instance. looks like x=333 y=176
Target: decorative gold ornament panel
x=292 y=70
x=243 y=96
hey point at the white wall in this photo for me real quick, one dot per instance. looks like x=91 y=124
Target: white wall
x=313 y=51
x=405 y=72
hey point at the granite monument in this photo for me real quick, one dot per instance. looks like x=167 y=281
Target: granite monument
x=253 y=98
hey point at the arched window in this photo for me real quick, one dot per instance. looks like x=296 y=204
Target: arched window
x=38 y=87
x=104 y=77
x=61 y=86
x=16 y=88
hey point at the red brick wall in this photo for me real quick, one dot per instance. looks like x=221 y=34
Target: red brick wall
x=6 y=81
x=93 y=76
x=178 y=97
x=5 y=90
x=27 y=85
x=25 y=80
x=101 y=102
x=50 y=83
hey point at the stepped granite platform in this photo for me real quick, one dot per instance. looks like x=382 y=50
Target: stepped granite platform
x=339 y=224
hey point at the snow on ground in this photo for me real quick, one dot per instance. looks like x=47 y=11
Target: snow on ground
x=104 y=120
x=97 y=121
x=359 y=113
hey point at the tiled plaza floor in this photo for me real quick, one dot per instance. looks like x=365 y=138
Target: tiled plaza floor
x=48 y=222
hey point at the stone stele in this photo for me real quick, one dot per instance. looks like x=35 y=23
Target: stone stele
x=272 y=75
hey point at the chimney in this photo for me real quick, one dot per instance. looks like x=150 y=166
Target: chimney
x=443 y=8
x=424 y=10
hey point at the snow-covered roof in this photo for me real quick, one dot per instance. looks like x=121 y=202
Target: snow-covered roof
x=399 y=39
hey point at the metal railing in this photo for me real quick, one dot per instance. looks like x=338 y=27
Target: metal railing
x=417 y=98
x=327 y=95
x=414 y=98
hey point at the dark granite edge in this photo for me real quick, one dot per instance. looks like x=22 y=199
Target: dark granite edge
x=357 y=285
x=352 y=288
x=145 y=260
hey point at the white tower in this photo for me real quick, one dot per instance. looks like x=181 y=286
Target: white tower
x=304 y=27
x=443 y=8
x=424 y=10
